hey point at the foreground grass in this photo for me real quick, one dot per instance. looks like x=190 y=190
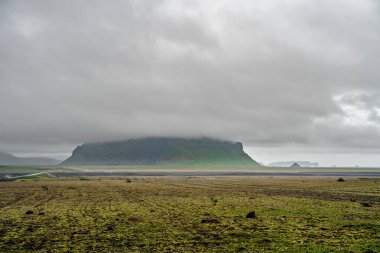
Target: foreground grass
x=165 y=214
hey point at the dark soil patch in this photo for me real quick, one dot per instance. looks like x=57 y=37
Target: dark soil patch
x=210 y=220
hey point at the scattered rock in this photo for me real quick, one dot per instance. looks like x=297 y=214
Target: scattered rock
x=41 y=213
x=238 y=218
x=78 y=232
x=210 y=220
x=45 y=188
x=365 y=204
x=216 y=236
x=340 y=180
x=251 y=215
x=110 y=228
x=29 y=212
x=135 y=218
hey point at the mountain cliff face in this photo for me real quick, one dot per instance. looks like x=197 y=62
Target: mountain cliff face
x=162 y=151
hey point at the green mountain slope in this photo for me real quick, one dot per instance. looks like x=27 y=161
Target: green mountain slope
x=162 y=151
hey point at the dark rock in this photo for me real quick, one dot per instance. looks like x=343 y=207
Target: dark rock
x=251 y=215
x=110 y=228
x=365 y=204
x=29 y=212
x=29 y=229
x=135 y=218
x=41 y=213
x=78 y=232
x=210 y=220
x=340 y=180
x=216 y=236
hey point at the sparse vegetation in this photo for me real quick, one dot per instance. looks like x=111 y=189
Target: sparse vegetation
x=214 y=201
x=175 y=214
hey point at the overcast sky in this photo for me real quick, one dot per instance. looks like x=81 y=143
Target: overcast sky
x=292 y=80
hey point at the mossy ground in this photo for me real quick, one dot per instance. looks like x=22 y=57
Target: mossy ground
x=164 y=215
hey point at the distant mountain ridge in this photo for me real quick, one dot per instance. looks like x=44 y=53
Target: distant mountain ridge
x=290 y=163
x=9 y=159
x=154 y=151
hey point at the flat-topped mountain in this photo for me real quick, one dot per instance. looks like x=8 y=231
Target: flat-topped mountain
x=162 y=151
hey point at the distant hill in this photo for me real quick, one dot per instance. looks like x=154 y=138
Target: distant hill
x=9 y=159
x=290 y=163
x=162 y=151
x=295 y=165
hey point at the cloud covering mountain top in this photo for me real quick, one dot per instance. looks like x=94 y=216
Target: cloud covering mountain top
x=267 y=73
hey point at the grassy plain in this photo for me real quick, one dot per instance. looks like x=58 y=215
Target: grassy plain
x=22 y=169
x=164 y=214
x=35 y=169
x=226 y=168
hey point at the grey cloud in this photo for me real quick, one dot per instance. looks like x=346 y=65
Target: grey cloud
x=265 y=73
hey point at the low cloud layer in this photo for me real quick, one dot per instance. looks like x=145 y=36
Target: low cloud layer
x=271 y=74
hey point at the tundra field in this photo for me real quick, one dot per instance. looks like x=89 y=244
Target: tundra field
x=190 y=214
